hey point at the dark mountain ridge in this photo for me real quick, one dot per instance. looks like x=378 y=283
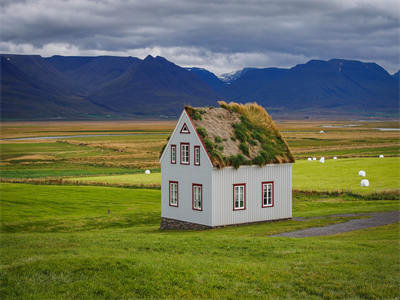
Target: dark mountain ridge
x=60 y=87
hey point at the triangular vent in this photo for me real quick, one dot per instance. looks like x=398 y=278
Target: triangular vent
x=185 y=129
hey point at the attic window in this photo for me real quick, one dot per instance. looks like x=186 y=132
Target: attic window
x=185 y=155
x=185 y=129
x=197 y=155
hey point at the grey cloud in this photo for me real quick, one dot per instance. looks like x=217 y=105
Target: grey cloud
x=261 y=33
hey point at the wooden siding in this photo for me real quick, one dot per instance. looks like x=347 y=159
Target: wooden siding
x=186 y=175
x=253 y=176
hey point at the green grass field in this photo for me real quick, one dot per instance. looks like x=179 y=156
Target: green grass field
x=60 y=242
x=333 y=175
x=90 y=242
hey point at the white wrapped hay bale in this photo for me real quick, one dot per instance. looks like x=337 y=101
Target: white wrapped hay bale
x=364 y=182
x=147 y=172
x=361 y=173
x=322 y=160
x=381 y=156
x=322 y=131
x=335 y=157
x=314 y=158
x=309 y=158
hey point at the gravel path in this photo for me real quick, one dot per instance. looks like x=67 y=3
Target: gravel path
x=376 y=219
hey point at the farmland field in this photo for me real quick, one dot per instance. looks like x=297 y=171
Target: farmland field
x=61 y=238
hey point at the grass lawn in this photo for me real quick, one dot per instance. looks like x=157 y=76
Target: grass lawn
x=342 y=174
x=153 y=179
x=60 y=242
x=333 y=175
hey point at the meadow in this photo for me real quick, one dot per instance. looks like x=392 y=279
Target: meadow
x=63 y=237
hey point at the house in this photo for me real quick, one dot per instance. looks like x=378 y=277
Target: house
x=224 y=166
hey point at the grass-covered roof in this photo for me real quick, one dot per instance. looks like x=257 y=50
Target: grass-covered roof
x=240 y=134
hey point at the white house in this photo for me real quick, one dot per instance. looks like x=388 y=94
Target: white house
x=224 y=166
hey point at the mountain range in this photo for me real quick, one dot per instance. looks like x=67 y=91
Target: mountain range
x=110 y=87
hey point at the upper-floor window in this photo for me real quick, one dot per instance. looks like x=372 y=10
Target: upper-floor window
x=197 y=196
x=185 y=154
x=173 y=193
x=267 y=194
x=197 y=155
x=173 y=154
x=239 y=196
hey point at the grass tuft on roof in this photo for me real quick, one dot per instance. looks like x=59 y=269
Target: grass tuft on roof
x=240 y=134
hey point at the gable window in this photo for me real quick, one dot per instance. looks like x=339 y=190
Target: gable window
x=239 y=196
x=173 y=154
x=197 y=196
x=197 y=155
x=185 y=129
x=268 y=194
x=185 y=155
x=173 y=193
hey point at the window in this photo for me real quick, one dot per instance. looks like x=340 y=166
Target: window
x=185 y=153
x=239 y=196
x=197 y=155
x=173 y=154
x=268 y=194
x=173 y=193
x=197 y=196
x=185 y=129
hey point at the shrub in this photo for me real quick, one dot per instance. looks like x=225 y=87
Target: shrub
x=218 y=139
x=244 y=148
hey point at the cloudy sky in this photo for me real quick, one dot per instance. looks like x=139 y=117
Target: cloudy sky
x=221 y=36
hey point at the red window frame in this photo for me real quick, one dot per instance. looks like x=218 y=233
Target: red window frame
x=173 y=158
x=262 y=194
x=233 y=196
x=180 y=152
x=177 y=193
x=185 y=132
x=194 y=155
x=201 y=186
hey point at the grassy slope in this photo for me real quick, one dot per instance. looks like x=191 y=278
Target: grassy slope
x=59 y=242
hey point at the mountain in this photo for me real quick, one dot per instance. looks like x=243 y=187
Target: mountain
x=335 y=86
x=33 y=87
x=60 y=87
x=208 y=78
x=396 y=76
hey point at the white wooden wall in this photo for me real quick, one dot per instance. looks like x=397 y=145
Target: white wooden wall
x=223 y=180
x=186 y=175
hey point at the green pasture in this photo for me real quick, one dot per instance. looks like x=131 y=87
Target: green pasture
x=342 y=175
x=60 y=169
x=62 y=242
x=153 y=179
x=333 y=175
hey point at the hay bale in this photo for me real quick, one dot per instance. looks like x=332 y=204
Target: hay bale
x=361 y=173
x=322 y=160
x=147 y=172
x=322 y=131
x=309 y=158
x=381 y=156
x=335 y=157
x=314 y=158
x=364 y=182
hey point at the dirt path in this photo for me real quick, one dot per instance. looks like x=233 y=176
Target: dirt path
x=376 y=219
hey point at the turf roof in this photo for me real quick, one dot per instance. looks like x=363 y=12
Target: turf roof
x=236 y=134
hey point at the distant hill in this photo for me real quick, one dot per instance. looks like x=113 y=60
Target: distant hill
x=318 y=87
x=60 y=87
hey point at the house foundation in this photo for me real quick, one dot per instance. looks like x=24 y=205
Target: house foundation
x=167 y=223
